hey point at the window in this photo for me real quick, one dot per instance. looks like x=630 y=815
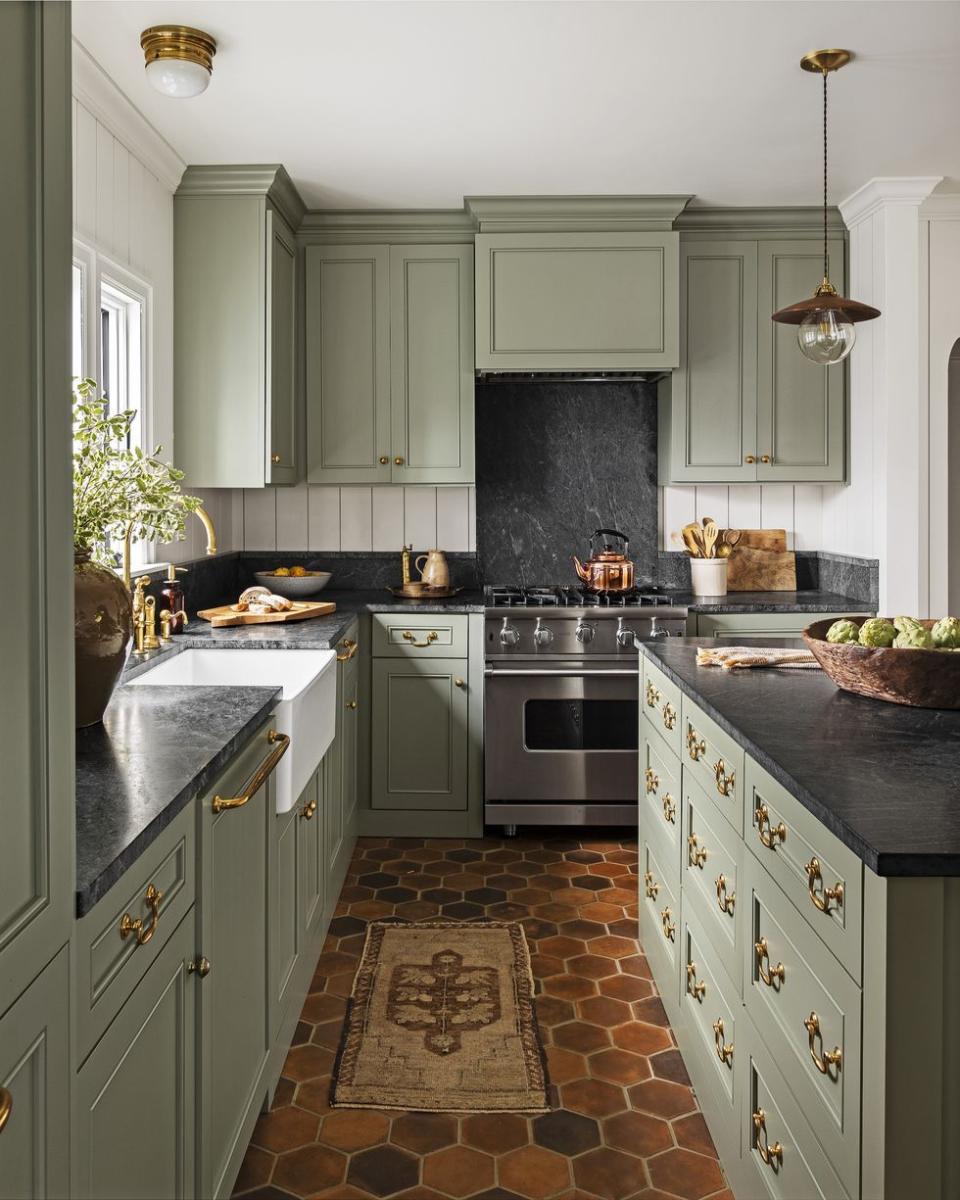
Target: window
x=121 y=373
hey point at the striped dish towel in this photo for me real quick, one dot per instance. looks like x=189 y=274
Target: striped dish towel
x=736 y=657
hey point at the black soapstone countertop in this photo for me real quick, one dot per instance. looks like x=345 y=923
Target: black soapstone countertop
x=885 y=778
x=773 y=602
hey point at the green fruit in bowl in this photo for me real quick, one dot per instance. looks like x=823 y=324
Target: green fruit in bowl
x=843 y=631
x=877 y=632
x=946 y=633
x=912 y=635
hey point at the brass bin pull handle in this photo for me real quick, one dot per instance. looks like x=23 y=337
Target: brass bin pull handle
x=725 y=902
x=724 y=1051
x=771 y=1155
x=412 y=638
x=696 y=854
x=668 y=927
x=6 y=1106
x=696 y=746
x=695 y=987
x=651 y=780
x=829 y=1058
x=669 y=715
x=152 y=898
x=822 y=899
x=653 y=695
x=725 y=783
x=669 y=809
x=650 y=885
x=771 y=973
x=351 y=649
x=280 y=743
x=770 y=836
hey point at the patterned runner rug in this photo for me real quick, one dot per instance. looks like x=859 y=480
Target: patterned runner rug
x=442 y=1019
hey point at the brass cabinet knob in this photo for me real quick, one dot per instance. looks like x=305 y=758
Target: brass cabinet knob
x=275 y=459
x=152 y=898
x=306 y=813
x=351 y=704
x=199 y=966
x=765 y=458
x=650 y=885
x=669 y=715
x=384 y=459
x=651 y=780
x=749 y=458
x=459 y=683
x=696 y=746
x=398 y=461
x=653 y=695
x=669 y=809
x=696 y=854
x=6 y=1106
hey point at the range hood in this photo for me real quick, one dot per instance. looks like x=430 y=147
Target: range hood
x=528 y=377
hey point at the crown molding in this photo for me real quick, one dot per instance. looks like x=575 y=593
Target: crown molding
x=101 y=97
x=789 y=220
x=574 y=214
x=437 y=225
x=258 y=179
x=901 y=191
x=943 y=207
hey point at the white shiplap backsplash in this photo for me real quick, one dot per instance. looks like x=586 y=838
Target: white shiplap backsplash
x=795 y=507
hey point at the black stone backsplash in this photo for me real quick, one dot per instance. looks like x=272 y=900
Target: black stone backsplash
x=555 y=461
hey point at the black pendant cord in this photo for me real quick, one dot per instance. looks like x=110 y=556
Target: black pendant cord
x=825 y=273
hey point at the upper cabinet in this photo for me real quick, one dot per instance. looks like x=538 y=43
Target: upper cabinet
x=744 y=404
x=389 y=363
x=236 y=418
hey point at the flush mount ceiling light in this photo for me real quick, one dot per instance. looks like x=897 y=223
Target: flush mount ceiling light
x=827 y=320
x=179 y=60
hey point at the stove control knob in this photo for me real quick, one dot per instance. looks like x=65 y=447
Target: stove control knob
x=655 y=630
x=625 y=636
x=585 y=632
x=509 y=634
x=542 y=635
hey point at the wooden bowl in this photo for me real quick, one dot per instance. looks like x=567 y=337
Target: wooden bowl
x=920 y=678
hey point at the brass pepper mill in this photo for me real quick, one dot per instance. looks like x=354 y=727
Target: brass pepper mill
x=405 y=563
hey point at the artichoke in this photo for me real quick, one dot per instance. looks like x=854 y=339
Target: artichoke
x=843 y=631
x=877 y=632
x=907 y=624
x=946 y=633
x=913 y=637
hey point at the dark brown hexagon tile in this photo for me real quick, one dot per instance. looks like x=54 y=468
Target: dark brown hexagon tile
x=286 y=1129
x=544 y=965
x=307 y=1062
x=637 y=1133
x=579 y=1036
x=685 y=1174
x=314 y=1095
x=566 y=1132
x=283 y=1093
x=610 y=1174
x=586 y=930
x=458 y=1171
x=254 y=1170
x=354 y=1129
x=383 y=1170
x=534 y=1172
x=306 y=1171
x=651 y=1011
x=692 y=1133
x=495 y=1133
x=669 y=1065
x=423 y=1132
x=322 y=1007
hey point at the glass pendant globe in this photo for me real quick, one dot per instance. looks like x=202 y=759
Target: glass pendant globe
x=178 y=78
x=825 y=336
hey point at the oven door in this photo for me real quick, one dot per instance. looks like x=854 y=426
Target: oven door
x=564 y=733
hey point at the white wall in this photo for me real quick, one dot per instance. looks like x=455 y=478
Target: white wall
x=793 y=507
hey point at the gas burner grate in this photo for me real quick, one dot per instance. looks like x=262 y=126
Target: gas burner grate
x=563 y=596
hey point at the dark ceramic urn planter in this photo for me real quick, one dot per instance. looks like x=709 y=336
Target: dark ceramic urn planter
x=103 y=630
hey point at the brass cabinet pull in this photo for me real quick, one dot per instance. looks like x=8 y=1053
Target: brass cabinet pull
x=412 y=638
x=200 y=966
x=771 y=1155
x=766 y=458
x=749 y=458
x=696 y=746
x=696 y=854
x=653 y=696
x=306 y=813
x=398 y=461
x=767 y=834
x=351 y=704
x=829 y=1058
x=725 y=782
x=669 y=929
x=669 y=809
x=650 y=885
x=652 y=780
x=771 y=973
x=725 y=902
x=822 y=899
x=275 y=459
x=384 y=459
x=724 y=1052
x=669 y=715
x=459 y=683
x=695 y=987
x=350 y=647
x=280 y=743
x=128 y=925
x=6 y=1106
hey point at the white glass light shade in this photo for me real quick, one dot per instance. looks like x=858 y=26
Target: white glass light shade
x=177 y=77
x=826 y=336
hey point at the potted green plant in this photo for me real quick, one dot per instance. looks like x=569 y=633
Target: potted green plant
x=116 y=488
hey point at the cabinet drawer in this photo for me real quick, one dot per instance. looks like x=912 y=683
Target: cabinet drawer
x=822 y=877
x=424 y=635
x=786 y=1160
x=712 y=866
x=660 y=926
x=715 y=760
x=713 y=1010
x=730 y=627
x=808 y=1014
x=660 y=702
x=110 y=962
x=660 y=805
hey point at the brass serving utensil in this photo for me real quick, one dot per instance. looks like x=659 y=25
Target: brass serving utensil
x=732 y=536
x=693 y=539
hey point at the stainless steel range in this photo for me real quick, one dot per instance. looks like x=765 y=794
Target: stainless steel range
x=562 y=702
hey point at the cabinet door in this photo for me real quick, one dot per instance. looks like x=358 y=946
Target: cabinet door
x=348 y=765
x=281 y=465
x=420 y=734
x=800 y=405
x=712 y=420
x=333 y=832
x=348 y=364
x=310 y=843
x=286 y=923
x=431 y=358
x=135 y=1094
x=35 y=1083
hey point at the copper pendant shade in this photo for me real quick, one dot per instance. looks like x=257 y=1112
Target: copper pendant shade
x=826 y=303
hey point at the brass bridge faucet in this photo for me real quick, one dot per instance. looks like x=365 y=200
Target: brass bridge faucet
x=207 y=524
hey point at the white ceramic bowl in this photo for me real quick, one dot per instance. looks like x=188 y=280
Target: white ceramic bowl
x=294 y=587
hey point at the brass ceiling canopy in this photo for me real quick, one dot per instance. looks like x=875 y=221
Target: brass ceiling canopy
x=826 y=334
x=178 y=59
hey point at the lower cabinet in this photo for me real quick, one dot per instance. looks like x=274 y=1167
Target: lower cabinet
x=739 y=627
x=34 y=1089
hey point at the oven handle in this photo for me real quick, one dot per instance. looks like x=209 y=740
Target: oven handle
x=570 y=671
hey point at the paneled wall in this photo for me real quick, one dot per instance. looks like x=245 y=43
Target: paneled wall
x=797 y=508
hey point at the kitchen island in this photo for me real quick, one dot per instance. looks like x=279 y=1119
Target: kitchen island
x=800 y=910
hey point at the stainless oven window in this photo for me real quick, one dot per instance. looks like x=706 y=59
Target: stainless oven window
x=578 y=724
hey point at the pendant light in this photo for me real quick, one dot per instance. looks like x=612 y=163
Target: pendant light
x=179 y=60
x=827 y=321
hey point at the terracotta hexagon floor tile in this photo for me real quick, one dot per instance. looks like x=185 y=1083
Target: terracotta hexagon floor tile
x=613 y=947
x=685 y=1174
x=373 y=910
x=565 y=1065
x=507 y=882
x=307 y=1062
x=544 y=965
x=419 y=1193
x=563 y=947
x=495 y=1133
x=308 y=1170
x=583 y=1038
x=458 y=1171
x=497 y=1193
x=593 y=1097
x=314 y=1095
x=569 y=987
x=383 y=1170
x=354 y=1129
x=320 y=1006
x=601 y=912
x=610 y=869
x=651 y=1011
x=566 y=1132
x=417 y=910
x=636 y=965
x=669 y=1065
x=592 y=966
x=640 y=1038
x=602 y=1010
x=340 y=1191
x=662 y=1098
x=328 y=1034
x=619 y=1066
x=507 y=912
x=610 y=1174
x=586 y=930
x=534 y=1173
x=254 y=1170
x=637 y=1133
x=286 y=1129
x=551 y=1010
x=692 y=1133
x=283 y=1093
x=423 y=1132
x=625 y=987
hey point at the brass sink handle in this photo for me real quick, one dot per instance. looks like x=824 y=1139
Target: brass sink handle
x=412 y=638
x=651 y=780
x=725 y=902
x=770 y=836
x=724 y=1052
x=668 y=927
x=199 y=966
x=669 y=809
x=696 y=854
x=725 y=782
x=771 y=1155
x=829 y=1058
x=669 y=715
x=650 y=885
x=771 y=974
x=653 y=696
x=128 y=925
x=822 y=899
x=695 y=987
x=280 y=743
x=6 y=1106
x=696 y=746
x=350 y=647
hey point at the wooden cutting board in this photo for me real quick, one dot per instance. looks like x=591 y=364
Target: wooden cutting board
x=226 y=615
x=764 y=539
x=751 y=570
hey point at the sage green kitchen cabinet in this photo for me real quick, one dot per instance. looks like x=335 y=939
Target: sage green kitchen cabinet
x=339 y=768
x=135 y=1096
x=389 y=364
x=36 y=635
x=35 y=1083
x=733 y=627
x=287 y=931
x=349 y=741
x=551 y=301
x=745 y=405
x=310 y=851
x=236 y=417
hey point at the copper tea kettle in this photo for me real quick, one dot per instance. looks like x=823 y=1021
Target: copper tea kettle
x=608 y=569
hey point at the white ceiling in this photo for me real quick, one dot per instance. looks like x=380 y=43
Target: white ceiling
x=412 y=104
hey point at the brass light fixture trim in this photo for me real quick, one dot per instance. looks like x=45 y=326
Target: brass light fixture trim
x=180 y=42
